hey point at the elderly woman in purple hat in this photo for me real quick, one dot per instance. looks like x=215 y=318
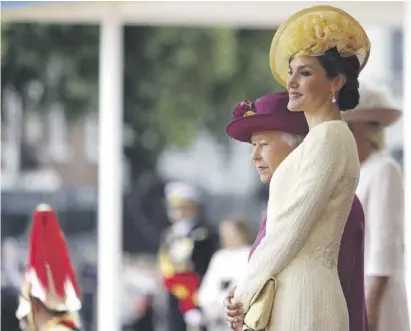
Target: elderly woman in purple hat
x=317 y=54
x=270 y=120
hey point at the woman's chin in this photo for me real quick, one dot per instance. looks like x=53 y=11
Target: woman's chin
x=265 y=178
x=294 y=106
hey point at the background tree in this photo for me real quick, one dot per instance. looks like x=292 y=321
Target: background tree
x=177 y=81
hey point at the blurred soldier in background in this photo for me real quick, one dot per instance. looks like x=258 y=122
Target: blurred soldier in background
x=184 y=256
x=50 y=296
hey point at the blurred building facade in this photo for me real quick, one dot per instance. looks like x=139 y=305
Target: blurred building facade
x=42 y=151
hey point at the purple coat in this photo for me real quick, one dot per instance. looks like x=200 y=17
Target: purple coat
x=350 y=265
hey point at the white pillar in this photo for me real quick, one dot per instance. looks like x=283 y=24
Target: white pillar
x=12 y=157
x=380 y=69
x=379 y=63
x=407 y=148
x=110 y=172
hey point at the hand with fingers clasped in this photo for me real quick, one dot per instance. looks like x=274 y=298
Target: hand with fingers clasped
x=234 y=311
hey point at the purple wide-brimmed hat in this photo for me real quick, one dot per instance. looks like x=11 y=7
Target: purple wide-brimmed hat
x=268 y=113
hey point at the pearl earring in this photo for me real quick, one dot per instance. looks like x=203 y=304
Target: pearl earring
x=334 y=99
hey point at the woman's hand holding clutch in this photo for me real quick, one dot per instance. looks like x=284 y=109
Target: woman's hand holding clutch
x=234 y=311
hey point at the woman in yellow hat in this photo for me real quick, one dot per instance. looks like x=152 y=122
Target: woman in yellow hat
x=317 y=54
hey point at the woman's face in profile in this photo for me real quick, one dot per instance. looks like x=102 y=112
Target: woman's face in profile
x=269 y=150
x=308 y=86
x=181 y=212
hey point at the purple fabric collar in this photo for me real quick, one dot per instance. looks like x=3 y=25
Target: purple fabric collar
x=260 y=235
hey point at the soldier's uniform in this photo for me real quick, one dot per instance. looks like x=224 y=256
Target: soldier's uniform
x=49 y=277
x=184 y=255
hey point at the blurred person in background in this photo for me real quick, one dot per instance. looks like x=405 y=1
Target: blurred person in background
x=88 y=276
x=381 y=193
x=11 y=277
x=284 y=131
x=226 y=266
x=50 y=296
x=139 y=289
x=184 y=255
x=10 y=263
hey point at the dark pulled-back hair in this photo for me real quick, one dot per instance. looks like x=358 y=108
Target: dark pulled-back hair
x=334 y=64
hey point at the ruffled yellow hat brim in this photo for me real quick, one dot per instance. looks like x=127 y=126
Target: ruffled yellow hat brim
x=313 y=31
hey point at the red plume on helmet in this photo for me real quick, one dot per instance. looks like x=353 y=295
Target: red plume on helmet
x=49 y=274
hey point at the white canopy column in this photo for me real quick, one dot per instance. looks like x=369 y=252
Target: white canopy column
x=110 y=172
x=407 y=148
x=379 y=64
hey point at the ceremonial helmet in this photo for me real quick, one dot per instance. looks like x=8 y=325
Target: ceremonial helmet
x=49 y=277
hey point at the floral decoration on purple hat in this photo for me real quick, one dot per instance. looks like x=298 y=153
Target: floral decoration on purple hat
x=245 y=108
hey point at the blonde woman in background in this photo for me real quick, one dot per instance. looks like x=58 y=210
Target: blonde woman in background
x=380 y=191
x=224 y=270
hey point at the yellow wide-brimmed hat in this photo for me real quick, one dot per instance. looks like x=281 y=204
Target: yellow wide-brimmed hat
x=313 y=31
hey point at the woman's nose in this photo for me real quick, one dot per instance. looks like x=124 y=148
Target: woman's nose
x=255 y=155
x=292 y=82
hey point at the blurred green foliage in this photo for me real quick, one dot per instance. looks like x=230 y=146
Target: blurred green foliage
x=62 y=58
x=177 y=80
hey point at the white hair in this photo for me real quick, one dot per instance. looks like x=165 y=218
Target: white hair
x=292 y=140
x=374 y=95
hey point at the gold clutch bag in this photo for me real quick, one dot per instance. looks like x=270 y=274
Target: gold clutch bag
x=261 y=306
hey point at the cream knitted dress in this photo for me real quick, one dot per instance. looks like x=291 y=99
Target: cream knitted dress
x=311 y=194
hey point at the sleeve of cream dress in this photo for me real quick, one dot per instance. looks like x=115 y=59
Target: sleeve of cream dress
x=384 y=214
x=321 y=166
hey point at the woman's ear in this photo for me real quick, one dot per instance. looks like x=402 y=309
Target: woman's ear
x=339 y=82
